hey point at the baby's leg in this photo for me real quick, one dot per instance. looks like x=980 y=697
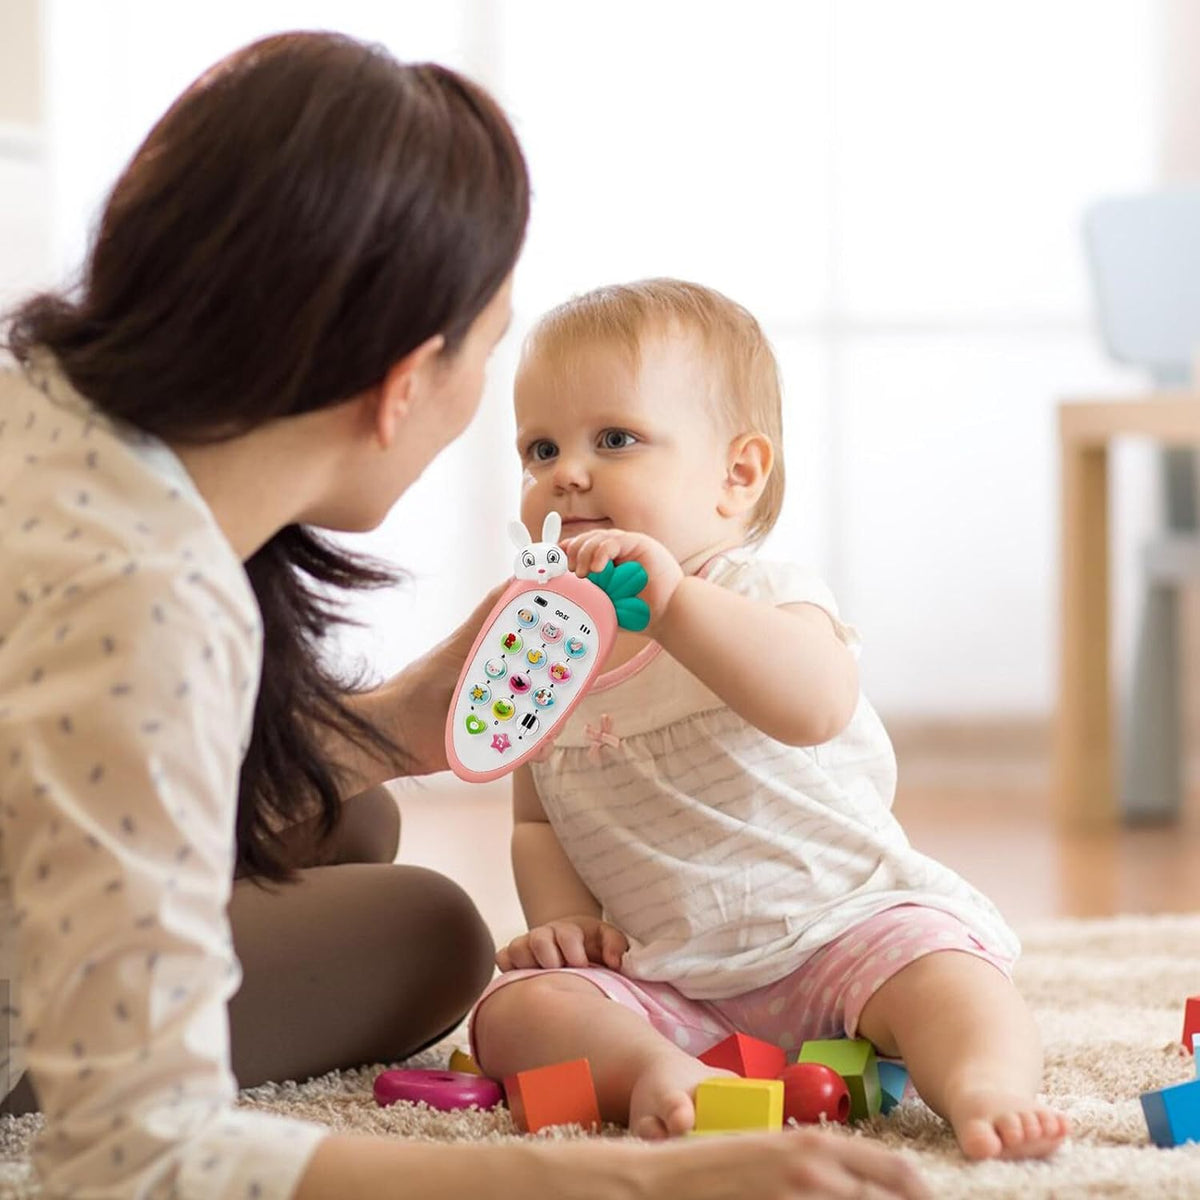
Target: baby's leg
x=642 y=1078
x=972 y=1049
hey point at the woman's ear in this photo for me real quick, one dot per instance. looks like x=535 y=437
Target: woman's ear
x=751 y=457
x=401 y=387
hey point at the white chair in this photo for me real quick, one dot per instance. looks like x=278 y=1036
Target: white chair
x=1144 y=255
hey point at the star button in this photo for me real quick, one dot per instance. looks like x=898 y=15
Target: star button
x=500 y=742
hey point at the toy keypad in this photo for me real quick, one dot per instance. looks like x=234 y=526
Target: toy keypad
x=536 y=654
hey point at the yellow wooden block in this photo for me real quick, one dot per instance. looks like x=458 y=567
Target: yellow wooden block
x=460 y=1060
x=729 y=1104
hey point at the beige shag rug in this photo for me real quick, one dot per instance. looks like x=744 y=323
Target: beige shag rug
x=1108 y=997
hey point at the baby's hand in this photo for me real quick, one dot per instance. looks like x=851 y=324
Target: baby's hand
x=571 y=942
x=593 y=551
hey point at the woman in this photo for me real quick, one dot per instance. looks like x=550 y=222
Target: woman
x=286 y=315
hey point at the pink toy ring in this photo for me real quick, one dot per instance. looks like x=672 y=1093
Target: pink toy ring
x=446 y=1090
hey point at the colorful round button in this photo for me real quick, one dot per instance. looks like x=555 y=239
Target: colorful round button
x=551 y=632
x=526 y=617
x=576 y=647
x=519 y=683
x=495 y=668
x=535 y=656
x=560 y=672
x=475 y=723
x=511 y=642
x=480 y=693
x=503 y=709
x=544 y=698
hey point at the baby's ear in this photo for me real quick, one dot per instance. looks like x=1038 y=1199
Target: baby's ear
x=551 y=527
x=519 y=534
x=751 y=458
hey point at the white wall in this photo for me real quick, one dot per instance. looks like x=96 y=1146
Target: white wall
x=895 y=189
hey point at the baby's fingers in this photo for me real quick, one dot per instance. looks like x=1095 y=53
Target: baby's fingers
x=544 y=947
x=570 y=945
x=613 y=944
x=516 y=956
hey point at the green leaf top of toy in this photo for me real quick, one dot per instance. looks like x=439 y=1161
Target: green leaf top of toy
x=621 y=582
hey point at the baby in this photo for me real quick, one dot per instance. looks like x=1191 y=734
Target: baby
x=708 y=847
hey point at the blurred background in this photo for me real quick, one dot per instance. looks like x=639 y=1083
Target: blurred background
x=897 y=192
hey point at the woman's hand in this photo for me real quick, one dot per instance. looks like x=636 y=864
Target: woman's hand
x=418 y=698
x=799 y=1164
x=569 y=942
x=594 y=550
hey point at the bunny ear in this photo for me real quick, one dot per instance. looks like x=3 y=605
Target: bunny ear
x=551 y=527
x=519 y=534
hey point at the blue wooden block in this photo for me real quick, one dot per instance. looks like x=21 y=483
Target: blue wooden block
x=1173 y=1114
x=893 y=1078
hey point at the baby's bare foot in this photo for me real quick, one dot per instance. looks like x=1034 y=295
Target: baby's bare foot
x=991 y=1123
x=661 y=1103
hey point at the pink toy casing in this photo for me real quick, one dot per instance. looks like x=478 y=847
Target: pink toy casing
x=581 y=610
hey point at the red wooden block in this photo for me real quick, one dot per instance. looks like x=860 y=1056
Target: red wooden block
x=749 y=1057
x=562 y=1094
x=1191 y=1021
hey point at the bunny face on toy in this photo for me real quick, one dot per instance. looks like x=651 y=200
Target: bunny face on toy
x=538 y=561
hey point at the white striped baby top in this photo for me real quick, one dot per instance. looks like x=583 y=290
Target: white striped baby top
x=130 y=652
x=725 y=856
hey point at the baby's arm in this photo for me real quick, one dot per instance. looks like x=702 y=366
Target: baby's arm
x=782 y=668
x=562 y=914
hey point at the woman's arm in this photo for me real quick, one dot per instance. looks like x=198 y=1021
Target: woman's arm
x=796 y=1165
x=127 y=695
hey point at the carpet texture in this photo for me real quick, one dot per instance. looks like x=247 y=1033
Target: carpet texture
x=1108 y=997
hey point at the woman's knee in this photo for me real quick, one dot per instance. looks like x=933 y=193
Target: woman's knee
x=368 y=828
x=445 y=933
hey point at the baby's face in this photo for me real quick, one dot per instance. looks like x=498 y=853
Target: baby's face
x=610 y=448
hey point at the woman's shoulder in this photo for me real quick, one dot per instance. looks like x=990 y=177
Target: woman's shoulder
x=102 y=529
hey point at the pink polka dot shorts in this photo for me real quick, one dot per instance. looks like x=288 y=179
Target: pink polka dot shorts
x=823 y=998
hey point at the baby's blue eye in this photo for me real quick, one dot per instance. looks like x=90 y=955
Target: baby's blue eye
x=616 y=439
x=542 y=450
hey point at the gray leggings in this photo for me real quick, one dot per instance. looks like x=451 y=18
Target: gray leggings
x=360 y=961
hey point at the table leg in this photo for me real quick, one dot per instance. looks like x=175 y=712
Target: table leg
x=1085 y=734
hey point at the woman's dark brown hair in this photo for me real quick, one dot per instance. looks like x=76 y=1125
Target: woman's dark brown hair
x=305 y=214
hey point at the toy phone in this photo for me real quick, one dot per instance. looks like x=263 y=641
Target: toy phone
x=537 y=653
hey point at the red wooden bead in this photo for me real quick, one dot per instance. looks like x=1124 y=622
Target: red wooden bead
x=812 y=1090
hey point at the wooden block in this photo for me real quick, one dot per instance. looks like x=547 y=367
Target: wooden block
x=893 y=1079
x=1173 y=1114
x=460 y=1060
x=854 y=1060
x=724 y=1105
x=561 y=1094
x=1191 y=1021
x=749 y=1057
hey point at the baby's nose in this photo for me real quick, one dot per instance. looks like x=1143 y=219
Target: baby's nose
x=570 y=473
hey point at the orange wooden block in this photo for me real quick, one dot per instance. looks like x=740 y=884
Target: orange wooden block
x=562 y=1094
x=749 y=1057
x=1191 y=1021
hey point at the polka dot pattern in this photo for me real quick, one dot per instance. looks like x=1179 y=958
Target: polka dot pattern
x=123 y=688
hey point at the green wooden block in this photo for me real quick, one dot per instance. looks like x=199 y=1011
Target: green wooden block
x=854 y=1060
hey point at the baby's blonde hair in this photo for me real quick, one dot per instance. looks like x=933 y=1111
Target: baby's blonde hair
x=746 y=388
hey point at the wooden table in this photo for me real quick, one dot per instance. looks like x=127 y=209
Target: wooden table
x=1086 y=734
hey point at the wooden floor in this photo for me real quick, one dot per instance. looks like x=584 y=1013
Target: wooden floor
x=985 y=813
